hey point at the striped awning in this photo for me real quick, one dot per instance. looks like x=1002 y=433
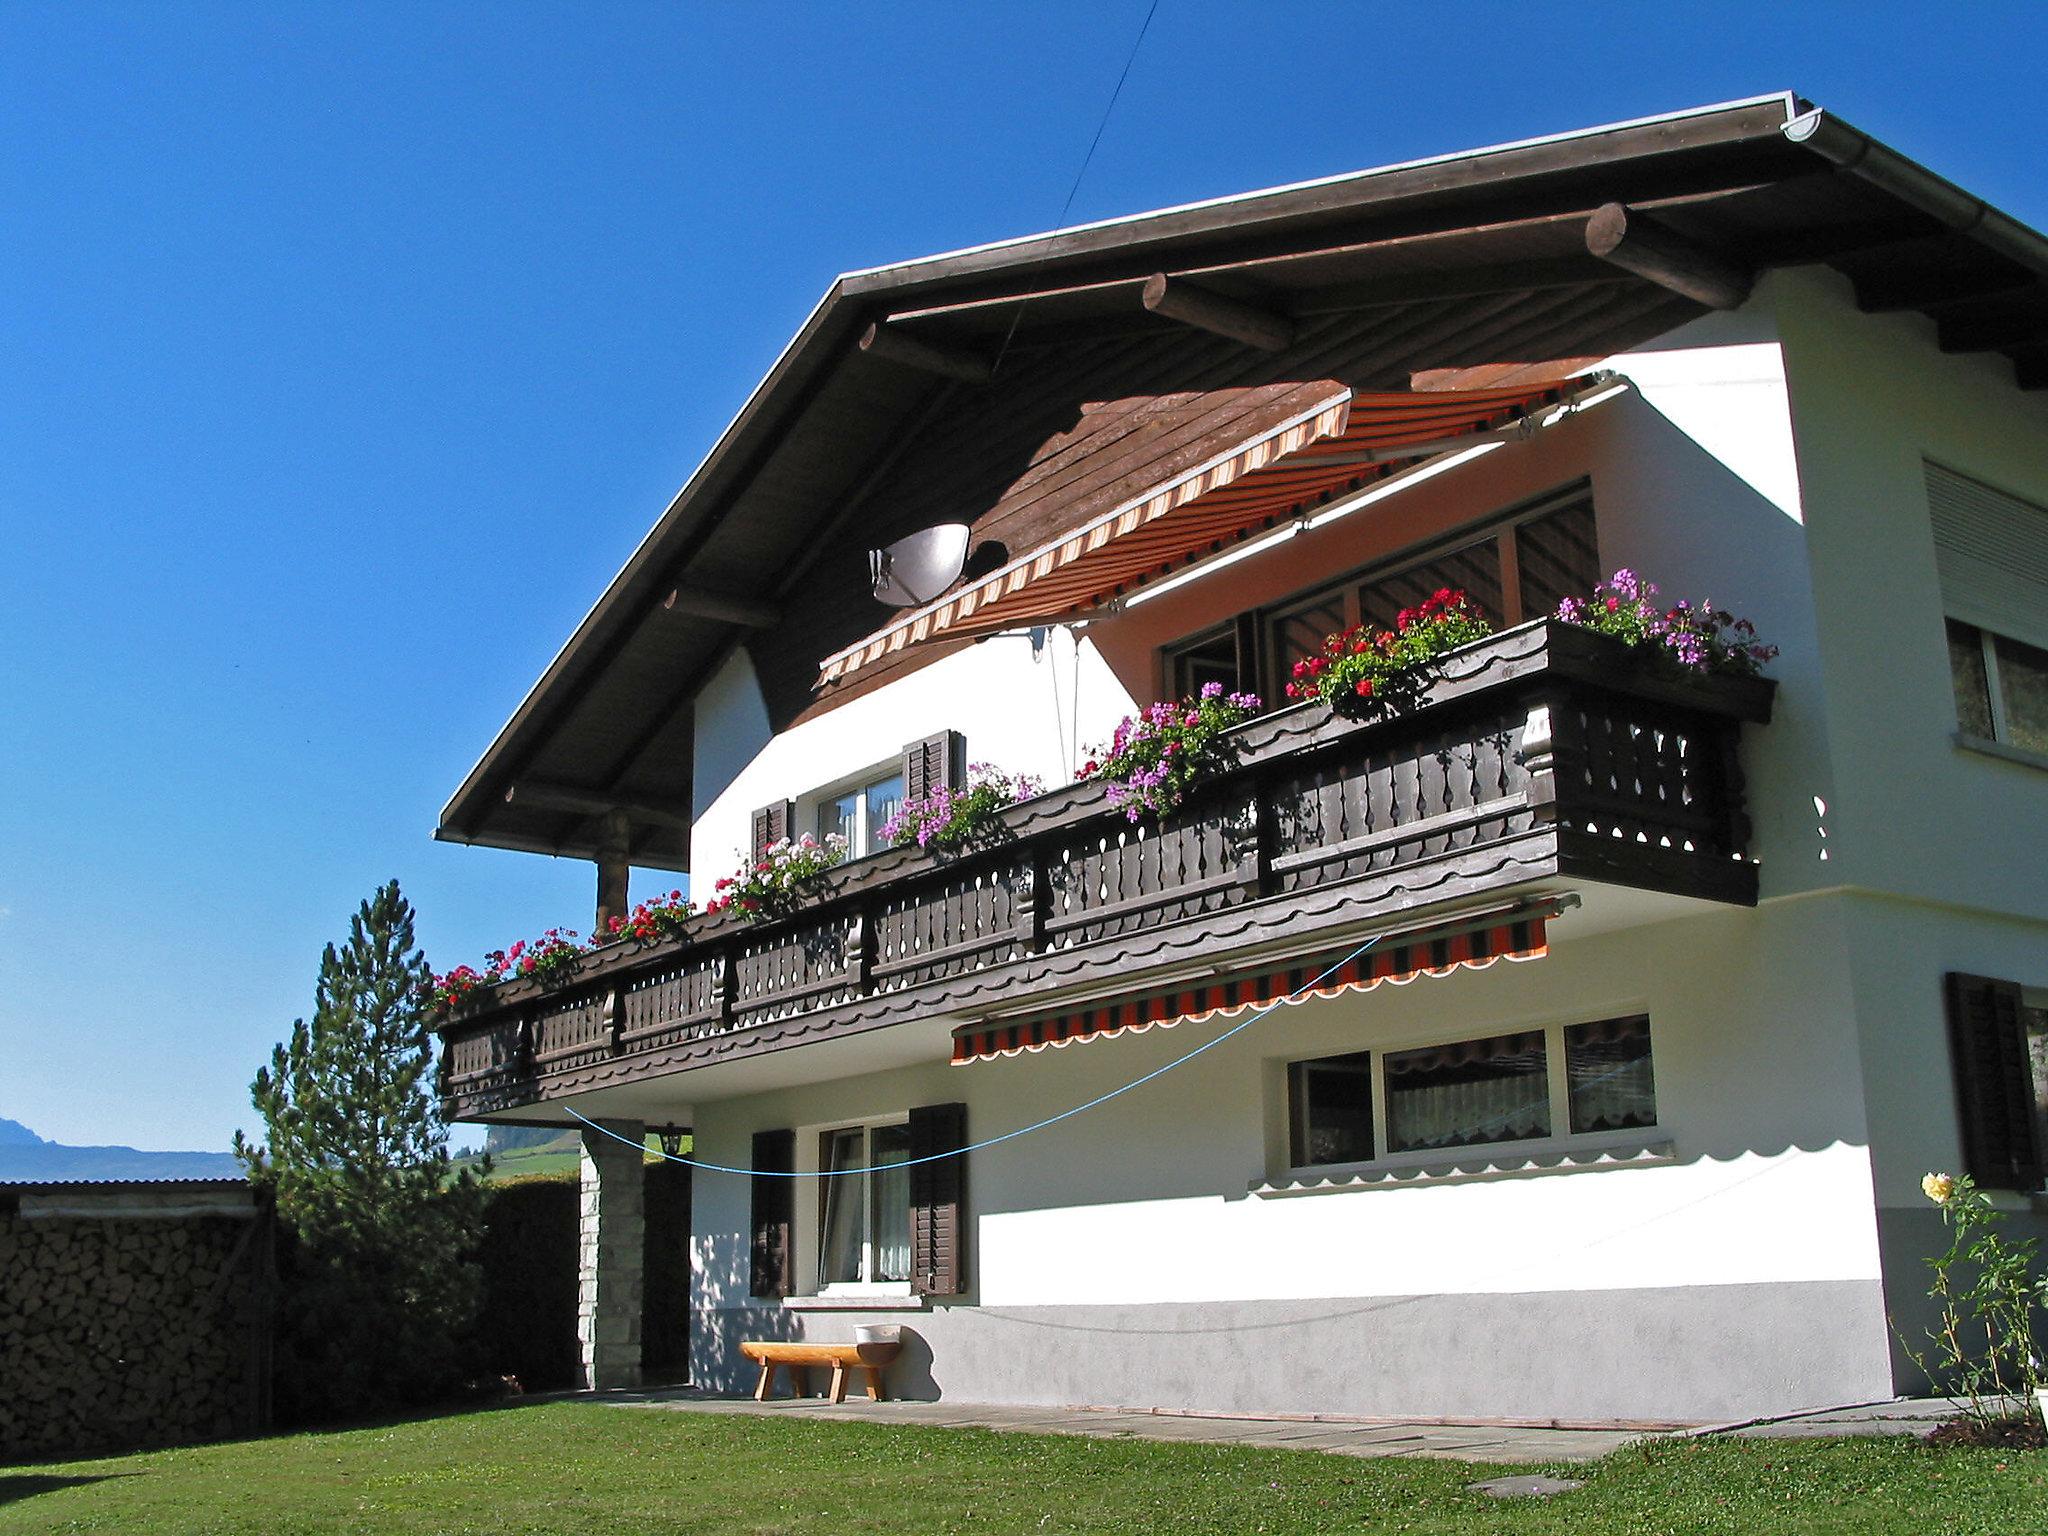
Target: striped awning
x=1398 y=959
x=1339 y=444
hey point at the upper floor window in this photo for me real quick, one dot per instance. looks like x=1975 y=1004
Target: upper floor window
x=1516 y=568
x=859 y=812
x=1991 y=553
x=2001 y=687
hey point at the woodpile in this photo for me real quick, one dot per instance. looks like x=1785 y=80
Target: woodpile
x=122 y=1333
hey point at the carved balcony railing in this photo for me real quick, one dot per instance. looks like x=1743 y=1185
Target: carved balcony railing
x=1543 y=752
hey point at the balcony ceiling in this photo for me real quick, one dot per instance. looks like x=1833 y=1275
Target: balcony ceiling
x=979 y=364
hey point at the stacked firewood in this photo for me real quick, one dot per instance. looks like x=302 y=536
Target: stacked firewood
x=121 y=1333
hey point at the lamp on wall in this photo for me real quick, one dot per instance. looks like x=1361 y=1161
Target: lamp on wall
x=671 y=1138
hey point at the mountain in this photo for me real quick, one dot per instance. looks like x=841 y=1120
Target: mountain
x=26 y=1158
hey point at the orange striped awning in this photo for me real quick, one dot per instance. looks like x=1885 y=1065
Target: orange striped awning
x=1337 y=445
x=1398 y=960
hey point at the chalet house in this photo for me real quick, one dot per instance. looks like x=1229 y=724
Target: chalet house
x=1678 y=985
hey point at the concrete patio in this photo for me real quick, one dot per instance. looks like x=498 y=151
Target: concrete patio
x=1527 y=1444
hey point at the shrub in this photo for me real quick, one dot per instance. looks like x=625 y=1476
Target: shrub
x=1985 y=1293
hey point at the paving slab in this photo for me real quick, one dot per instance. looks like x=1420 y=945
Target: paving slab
x=1516 y=1443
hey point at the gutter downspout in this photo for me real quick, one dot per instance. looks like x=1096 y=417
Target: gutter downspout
x=1851 y=150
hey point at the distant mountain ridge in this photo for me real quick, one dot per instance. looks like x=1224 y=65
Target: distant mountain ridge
x=26 y=1158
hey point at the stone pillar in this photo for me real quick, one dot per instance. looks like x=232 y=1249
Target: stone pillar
x=611 y=1256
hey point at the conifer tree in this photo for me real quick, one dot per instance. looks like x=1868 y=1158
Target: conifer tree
x=381 y=1288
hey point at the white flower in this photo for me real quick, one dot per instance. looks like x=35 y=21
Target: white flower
x=1938 y=1187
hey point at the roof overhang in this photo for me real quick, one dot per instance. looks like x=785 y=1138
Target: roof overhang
x=1493 y=243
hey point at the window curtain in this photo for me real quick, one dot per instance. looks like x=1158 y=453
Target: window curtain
x=839 y=1227
x=1608 y=1067
x=890 y=1186
x=1470 y=1093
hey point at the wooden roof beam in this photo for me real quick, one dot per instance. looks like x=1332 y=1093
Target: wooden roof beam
x=1636 y=243
x=701 y=603
x=2000 y=333
x=884 y=341
x=539 y=796
x=1212 y=312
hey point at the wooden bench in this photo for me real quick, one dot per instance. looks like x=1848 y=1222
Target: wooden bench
x=869 y=1359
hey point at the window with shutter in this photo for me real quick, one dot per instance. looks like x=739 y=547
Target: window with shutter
x=938 y=1200
x=1994 y=1082
x=934 y=762
x=772 y=823
x=774 y=1203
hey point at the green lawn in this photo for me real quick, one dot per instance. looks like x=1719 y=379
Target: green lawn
x=579 y=1467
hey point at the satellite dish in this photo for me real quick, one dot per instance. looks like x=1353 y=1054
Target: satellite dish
x=917 y=569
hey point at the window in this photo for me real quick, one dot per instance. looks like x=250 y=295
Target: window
x=1595 y=1078
x=1516 y=569
x=859 y=813
x=1468 y=1094
x=1330 y=1110
x=864 y=1208
x=2001 y=687
x=1210 y=658
x=1607 y=1066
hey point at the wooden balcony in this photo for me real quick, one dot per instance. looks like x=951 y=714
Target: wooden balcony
x=1543 y=753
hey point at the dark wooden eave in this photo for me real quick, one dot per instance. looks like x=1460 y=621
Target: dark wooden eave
x=1472 y=262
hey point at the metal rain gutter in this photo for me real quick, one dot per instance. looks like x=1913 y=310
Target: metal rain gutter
x=1855 y=152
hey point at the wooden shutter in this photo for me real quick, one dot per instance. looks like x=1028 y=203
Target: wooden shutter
x=1994 y=1082
x=938 y=1200
x=773 y=822
x=934 y=762
x=774 y=1255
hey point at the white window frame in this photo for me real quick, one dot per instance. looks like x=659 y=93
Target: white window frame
x=857 y=842
x=810 y=1217
x=1557 y=1083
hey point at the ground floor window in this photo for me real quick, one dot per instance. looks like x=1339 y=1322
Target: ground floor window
x=864 y=1205
x=1351 y=1108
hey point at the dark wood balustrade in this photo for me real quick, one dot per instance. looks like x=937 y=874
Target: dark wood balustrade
x=1542 y=752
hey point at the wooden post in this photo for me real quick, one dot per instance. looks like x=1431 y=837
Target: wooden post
x=614 y=871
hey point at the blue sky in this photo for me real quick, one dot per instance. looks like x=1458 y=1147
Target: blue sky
x=346 y=352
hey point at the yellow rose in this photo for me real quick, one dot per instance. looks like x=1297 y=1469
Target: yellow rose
x=1938 y=1187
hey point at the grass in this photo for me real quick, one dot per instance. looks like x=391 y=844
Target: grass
x=582 y=1467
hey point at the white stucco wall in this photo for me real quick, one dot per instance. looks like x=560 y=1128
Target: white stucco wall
x=1020 y=711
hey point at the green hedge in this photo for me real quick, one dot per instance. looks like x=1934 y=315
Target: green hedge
x=526 y=1326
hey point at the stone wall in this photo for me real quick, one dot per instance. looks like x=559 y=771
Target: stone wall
x=129 y=1321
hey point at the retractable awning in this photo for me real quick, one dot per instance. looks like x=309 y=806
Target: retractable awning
x=1341 y=443
x=1471 y=943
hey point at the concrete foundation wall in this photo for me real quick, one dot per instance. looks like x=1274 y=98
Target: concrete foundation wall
x=1702 y=1353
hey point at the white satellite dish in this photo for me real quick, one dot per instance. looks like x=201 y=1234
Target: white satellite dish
x=917 y=569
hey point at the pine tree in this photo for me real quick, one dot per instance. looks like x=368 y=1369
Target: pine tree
x=381 y=1289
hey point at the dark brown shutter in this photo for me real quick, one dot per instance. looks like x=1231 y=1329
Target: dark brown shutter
x=772 y=823
x=938 y=1200
x=1994 y=1082
x=935 y=761
x=774 y=1204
